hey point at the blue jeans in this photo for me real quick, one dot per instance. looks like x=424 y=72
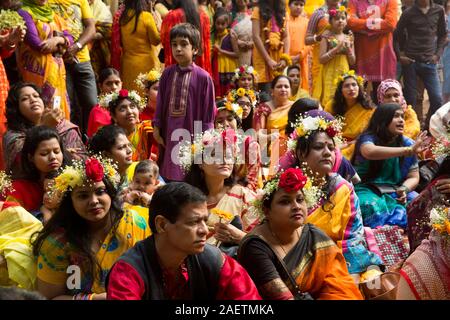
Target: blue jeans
x=82 y=90
x=429 y=75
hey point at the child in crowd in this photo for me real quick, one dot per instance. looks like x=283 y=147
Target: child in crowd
x=186 y=94
x=108 y=81
x=224 y=59
x=297 y=24
x=144 y=184
x=337 y=53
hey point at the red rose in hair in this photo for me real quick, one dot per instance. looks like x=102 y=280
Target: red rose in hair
x=331 y=131
x=242 y=69
x=94 y=170
x=123 y=93
x=332 y=12
x=292 y=180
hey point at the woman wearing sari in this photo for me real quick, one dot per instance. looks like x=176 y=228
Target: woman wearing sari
x=273 y=116
x=39 y=58
x=215 y=176
x=285 y=256
x=87 y=234
x=337 y=213
x=387 y=164
x=390 y=91
x=351 y=102
x=241 y=31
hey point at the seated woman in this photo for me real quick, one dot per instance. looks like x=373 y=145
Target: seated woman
x=284 y=244
x=272 y=116
x=229 y=116
x=111 y=141
x=351 y=102
x=289 y=160
x=124 y=108
x=211 y=170
x=24 y=110
x=337 y=213
x=17 y=262
x=390 y=91
x=387 y=163
x=87 y=234
x=425 y=275
x=43 y=152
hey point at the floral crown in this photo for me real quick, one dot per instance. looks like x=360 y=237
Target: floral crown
x=304 y=126
x=232 y=98
x=440 y=220
x=290 y=180
x=441 y=147
x=347 y=74
x=144 y=79
x=243 y=69
x=93 y=169
x=5 y=184
x=334 y=11
x=190 y=153
x=107 y=100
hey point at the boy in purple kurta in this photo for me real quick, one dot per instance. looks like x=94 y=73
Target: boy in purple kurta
x=186 y=94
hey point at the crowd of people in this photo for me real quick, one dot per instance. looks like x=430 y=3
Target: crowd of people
x=234 y=149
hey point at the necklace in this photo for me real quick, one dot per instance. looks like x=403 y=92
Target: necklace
x=278 y=239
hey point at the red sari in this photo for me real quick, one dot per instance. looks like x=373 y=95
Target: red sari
x=175 y=17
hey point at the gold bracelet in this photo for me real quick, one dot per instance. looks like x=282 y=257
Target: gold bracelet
x=409 y=150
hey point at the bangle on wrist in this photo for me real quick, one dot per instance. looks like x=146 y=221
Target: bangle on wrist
x=408 y=150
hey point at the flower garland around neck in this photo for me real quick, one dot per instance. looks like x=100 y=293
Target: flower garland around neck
x=195 y=152
x=5 y=184
x=234 y=95
x=290 y=180
x=350 y=73
x=440 y=221
x=105 y=101
x=91 y=170
x=143 y=80
x=441 y=147
x=245 y=69
x=305 y=126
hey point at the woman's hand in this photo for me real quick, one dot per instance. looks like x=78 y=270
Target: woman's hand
x=228 y=233
x=51 y=117
x=51 y=45
x=137 y=198
x=443 y=186
x=99 y=296
x=421 y=144
x=401 y=195
x=272 y=64
x=157 y=136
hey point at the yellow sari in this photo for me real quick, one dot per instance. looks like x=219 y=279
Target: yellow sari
x=278 y=120
x=412 y=124
x=356 y=121
x=57 y=254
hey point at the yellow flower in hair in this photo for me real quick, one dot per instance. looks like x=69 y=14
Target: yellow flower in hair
x=351 y=73
x=360 y=80
x=322 y=124
x=300 y=131
x=153 y=76
x=240 y=92
x=70 y=177
x=342 y=8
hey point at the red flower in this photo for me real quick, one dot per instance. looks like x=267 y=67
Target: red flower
x=123 y=93
x=94 y=170
x=331 y=131
x=332 y=12
x=292 y=180
x=241 y=69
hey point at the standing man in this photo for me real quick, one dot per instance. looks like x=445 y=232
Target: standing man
x=81 y=85
x=175 y=262
x=419 y=41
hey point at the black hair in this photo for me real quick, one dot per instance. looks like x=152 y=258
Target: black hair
x=221 y=11
x=277 y=78
x=106 y=73
x=338 y=13
x=378 y=128
x=299 y=107
x=187 y=30
x=105 y=139
x=113 y=105
x=133 y=8
x=339 y=105
x=267 y=11
x=290 y=1
x=147 y=166
x=234 y=9
x=444 y=168
x=196 y=177
x=15 y=120
x=169 y=200
x=293 y=66
x=191 y=12
x=33 y=138
x=76 y=228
